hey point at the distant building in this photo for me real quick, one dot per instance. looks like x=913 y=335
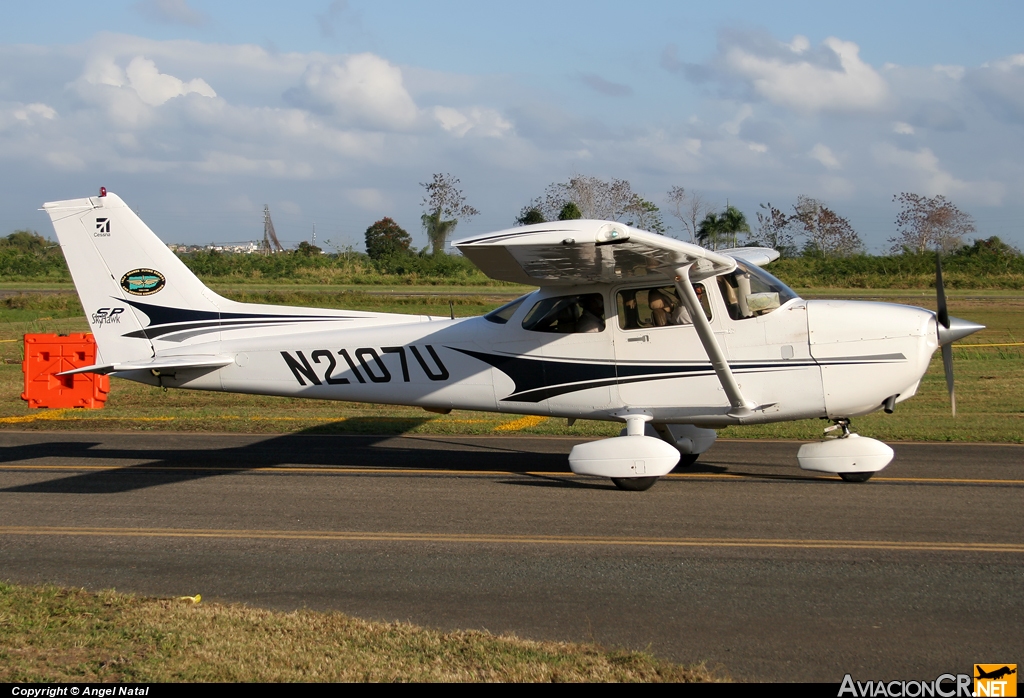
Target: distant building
x=229 y=247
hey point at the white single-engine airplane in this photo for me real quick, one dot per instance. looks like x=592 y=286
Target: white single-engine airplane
x=672 y=339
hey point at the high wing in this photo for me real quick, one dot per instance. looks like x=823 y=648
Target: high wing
x=569 y=253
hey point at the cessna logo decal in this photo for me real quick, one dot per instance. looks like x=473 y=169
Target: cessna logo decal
x=374 y=368
x=143 y=282
x=102 y=228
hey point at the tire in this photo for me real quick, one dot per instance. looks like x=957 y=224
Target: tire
x=856 y=477
x=687 y=460
x=634 y=484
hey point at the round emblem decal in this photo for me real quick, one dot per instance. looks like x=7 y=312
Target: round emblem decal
x=143 y=282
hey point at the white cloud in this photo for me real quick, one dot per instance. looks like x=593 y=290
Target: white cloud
x=831 y=78
x=30 y=113
x=363 y=90
x=1000 y=85
x=155 y=88
x=475 y=121
x=732 y=126
x=903 y=128
x=953 y=72
x=823 y=154
x=799 y=44
x=368 y=198
x=924 y=172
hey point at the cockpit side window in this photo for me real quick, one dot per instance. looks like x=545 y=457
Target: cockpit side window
x=504 y=313
x=751 y=291
x=567 y=314
x=656 y=307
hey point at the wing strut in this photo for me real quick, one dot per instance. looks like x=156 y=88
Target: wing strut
x=740 y=405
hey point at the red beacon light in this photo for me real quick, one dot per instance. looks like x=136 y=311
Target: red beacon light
x=103 y=191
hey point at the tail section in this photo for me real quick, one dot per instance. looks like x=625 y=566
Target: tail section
x=122 y=271
x=143 y=304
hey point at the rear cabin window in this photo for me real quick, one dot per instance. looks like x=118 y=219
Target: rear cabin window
x=751 y=291
x=656 y=307
x=567 y=314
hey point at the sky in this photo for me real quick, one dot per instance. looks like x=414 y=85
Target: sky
x=333 y=113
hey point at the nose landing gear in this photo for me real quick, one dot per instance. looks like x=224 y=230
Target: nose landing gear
x=852 y=457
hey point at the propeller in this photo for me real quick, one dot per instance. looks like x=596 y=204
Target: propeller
x=949 y=329
x=943 y=318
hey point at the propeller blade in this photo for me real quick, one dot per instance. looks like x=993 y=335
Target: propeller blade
x=940 y=292
x=947 y=364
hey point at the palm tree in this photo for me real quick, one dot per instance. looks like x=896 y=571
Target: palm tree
x=437 y=230
x=722 y=228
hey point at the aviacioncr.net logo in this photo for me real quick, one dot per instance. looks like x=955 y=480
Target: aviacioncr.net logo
x=945 y=686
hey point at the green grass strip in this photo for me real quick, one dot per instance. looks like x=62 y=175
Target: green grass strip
x=50 y=634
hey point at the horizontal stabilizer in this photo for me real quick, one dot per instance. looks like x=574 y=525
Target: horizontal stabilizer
x=160 y=363
x=758 y=256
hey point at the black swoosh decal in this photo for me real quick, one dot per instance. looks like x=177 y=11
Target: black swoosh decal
x=165 y=320
x=539 y=379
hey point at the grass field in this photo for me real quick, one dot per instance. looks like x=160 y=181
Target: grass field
x=990 y=379
x=50 y=634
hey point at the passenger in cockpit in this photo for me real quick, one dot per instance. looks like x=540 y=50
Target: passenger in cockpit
x=666 y=310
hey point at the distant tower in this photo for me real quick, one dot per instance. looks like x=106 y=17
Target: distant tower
x=270 y=241
x=314 y=234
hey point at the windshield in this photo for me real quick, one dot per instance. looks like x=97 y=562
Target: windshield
x=751 y=291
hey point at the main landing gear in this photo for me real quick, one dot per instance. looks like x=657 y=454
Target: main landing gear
x=643 y=452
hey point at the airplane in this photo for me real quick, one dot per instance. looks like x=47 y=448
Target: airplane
x=995 y=673
x=667 y=338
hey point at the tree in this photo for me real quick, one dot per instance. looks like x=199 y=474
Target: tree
x=27 y=240
x=594 y=197
x=722 y=228
x=646 y=215
x=689 y=209
x=530 y=215
x=385 y=238
x=570 y=212
x=929 y=223
x=775 y=230
x=307 y=249
x=827 y=233
x=444 y=200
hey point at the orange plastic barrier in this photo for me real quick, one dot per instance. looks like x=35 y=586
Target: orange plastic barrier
x=46 y=355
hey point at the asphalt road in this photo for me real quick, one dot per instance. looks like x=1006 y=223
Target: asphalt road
x=742 y=561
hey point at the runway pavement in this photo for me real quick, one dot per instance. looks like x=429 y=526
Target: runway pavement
x=742 y=561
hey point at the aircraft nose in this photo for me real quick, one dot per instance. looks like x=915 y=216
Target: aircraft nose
x=958 y=329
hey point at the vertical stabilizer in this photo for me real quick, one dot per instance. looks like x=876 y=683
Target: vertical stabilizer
x=121 y=269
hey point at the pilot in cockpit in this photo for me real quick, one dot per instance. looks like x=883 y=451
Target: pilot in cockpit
x=592 y=314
